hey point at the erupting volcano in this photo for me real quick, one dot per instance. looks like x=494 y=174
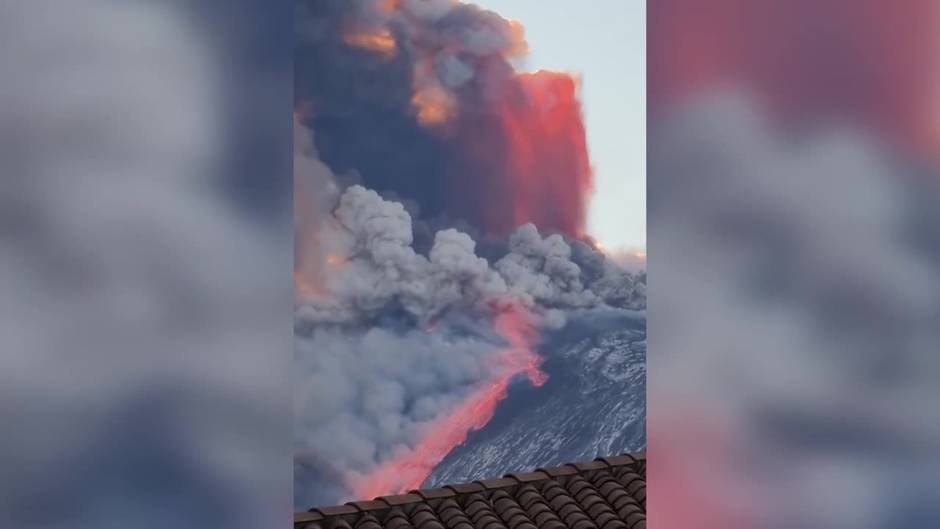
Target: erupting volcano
x=408 y=469
x=425 y=137
x=422 y=102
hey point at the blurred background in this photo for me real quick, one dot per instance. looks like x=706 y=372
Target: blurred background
x=145 y=263
x=794 y=241
x=147 y=303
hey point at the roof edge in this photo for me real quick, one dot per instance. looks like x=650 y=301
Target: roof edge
x=507 y=481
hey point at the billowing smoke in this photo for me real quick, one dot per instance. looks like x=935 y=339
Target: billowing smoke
x=392 y=341
x=797 y=352
x=374 y=272
x=421 y=99
x=416 y=136
x=362 y=394
x=315 y=193
x=401 y=354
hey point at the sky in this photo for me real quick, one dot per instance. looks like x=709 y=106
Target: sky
x=606 y=45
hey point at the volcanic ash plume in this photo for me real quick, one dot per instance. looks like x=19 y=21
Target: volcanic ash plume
x=401 y=354
x=315 y=193
x=407 y=338
x=410 y=466
x=375 y=272
x=422 y=101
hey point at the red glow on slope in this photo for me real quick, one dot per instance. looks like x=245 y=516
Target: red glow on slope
x=523 y=158
x=407 y=469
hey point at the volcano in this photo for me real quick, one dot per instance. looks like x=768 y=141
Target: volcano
x=594 y=403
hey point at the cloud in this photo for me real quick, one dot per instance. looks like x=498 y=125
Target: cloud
x=393 y=339
x=795 y=297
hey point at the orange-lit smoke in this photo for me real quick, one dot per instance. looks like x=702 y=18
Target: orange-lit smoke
x=433 y=105
x=408 y=468
x=525 y=158
x=622 y=256
x=873 y=61
x=309 y=213
x=379 y=41
x=449 y=123
x=304 y=287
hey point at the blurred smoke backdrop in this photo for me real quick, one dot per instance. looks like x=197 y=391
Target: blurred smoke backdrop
x=146 y=235
x=443 y=253
x=794 y=242
x=147 y=307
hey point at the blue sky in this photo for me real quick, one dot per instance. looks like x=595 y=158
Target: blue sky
x=605 y=42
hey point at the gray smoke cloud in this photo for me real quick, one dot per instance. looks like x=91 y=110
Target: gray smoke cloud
x=362 y=394
x=374 y=267
x=395 y=307
x=796 y=308
x=413 y=96
x=389 y=338
x=316 y=189
x=143 y=352
x=551 y=272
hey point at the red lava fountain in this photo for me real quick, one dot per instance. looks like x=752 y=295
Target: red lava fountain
x=409 y=467
x=524 y=158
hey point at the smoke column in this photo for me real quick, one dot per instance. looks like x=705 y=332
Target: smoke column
x=422 y=101
x=400 y=354
x=411 y=121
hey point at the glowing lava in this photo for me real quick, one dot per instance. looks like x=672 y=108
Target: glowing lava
x=408 y=468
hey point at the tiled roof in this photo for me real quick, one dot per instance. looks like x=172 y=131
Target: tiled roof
x=607 y=493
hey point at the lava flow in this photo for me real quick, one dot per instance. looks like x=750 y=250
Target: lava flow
x=408 y=468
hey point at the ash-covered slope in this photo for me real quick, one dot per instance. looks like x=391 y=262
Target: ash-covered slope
x=593 y=404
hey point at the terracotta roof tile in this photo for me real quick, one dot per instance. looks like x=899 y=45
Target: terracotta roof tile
x=565 y=470
x=368 y=521
x=591 y=465
x=616 y=461
x=308 y=516
x=466 y=488
x=336 y=510
x=491 y=484
x=364 y=506
x=338 y=522
x=434 y=494
x=526 y=477
x=607 y=493
x=401 y=499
